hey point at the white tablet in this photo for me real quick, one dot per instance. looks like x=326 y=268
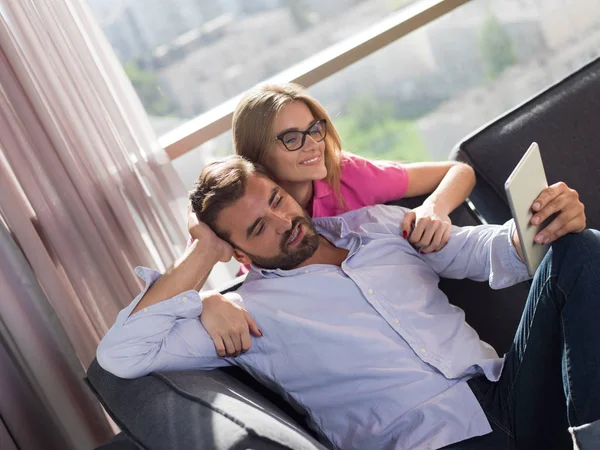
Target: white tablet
x=522 y=187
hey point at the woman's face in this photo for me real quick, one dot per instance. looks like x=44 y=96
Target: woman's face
x=308 y=162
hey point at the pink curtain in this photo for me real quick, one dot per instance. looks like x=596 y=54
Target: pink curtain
x=85 y=194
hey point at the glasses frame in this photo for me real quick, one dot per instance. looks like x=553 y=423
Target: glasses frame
x=305 y=133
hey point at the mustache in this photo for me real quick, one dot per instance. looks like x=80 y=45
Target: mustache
x=298 y=220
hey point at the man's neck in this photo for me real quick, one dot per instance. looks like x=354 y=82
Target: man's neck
x=327 y=253
x=301 y=191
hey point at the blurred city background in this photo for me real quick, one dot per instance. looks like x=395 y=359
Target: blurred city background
x=411 y=101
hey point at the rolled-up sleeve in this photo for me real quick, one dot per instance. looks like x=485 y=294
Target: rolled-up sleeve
x=165 y=336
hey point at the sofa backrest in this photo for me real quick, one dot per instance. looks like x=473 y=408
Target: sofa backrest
x=565 y=121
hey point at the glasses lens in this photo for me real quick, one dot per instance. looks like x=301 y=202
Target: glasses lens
x=318 y=131
x=292 y=140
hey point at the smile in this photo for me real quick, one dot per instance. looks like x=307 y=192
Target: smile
x=295 y=237
x=309 y=162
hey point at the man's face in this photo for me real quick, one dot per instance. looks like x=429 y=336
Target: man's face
x=268 y=226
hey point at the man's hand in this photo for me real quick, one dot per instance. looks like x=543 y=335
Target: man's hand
x=228 y=325
x=207 y=238
x=558 y=198
x=431 y=232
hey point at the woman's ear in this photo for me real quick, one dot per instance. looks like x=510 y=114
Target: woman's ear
x=241 y=257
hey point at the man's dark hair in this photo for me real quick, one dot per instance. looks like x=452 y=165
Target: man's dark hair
x=219 y=185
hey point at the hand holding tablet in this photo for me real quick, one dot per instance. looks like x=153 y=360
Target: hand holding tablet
x=523 y=186
x=527 y=185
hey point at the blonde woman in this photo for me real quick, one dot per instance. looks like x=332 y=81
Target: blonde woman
x=290 y=134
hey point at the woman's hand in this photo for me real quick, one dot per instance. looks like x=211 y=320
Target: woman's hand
x=228 y=325
x=208 y=239
x=431 y=230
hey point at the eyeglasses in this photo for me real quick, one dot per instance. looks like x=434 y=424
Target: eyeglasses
x=294 y=140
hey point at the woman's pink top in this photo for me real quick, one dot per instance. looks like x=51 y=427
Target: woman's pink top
x=363 y=183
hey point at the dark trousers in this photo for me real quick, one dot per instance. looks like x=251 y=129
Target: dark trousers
x=551 y=376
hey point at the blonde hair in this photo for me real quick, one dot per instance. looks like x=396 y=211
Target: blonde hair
x=253 y=127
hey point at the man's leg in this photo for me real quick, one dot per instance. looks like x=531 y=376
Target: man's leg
x=552 y=372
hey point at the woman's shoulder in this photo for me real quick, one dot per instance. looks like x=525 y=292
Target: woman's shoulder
x=353 y=164
x=348 y=158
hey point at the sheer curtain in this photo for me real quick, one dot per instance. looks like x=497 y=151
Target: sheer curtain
x=85 y=195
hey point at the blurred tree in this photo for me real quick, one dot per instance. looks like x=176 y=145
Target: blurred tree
x=367 y=110
x=148 y=89
x=496 y=47
x=370 y=130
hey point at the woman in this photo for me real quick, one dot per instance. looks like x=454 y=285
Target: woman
x=290 y=134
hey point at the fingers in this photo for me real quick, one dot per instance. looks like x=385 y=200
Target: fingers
x=430 y=235
x=236 y=339
x=573 y=226
x=223 y=346
x=570 y=216
x=420 y=228
x=406 y=224
x=548 y=234
x=252 y=325
x=246 y=342
x=439 y=240
x=220 y=347
x=233 y=344
x=571 y=220
x=553 y=206
x=192 y=217
x=548 y=195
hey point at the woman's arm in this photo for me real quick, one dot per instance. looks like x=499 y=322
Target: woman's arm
x=449 y=183
x=428 y=226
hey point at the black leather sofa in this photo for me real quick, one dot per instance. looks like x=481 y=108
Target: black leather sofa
x=226 y=409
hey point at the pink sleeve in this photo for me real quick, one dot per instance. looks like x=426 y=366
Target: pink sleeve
x=369 y=182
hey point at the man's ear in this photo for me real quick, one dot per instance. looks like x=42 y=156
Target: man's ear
x=241 y=257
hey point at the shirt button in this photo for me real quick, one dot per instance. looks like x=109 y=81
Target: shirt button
x=423 y=351
x=145 y=310
x=396 y=321
x=306 y=271
x=184 y=299
x=370 y=291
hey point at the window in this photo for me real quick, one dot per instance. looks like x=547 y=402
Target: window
x=185 y=57
x=418 y=97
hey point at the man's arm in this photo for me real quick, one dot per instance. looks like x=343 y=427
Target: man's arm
x=189 y=272
x=485 y=252
x=160 y=329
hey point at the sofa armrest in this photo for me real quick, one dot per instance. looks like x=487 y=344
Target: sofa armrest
x=201 y=410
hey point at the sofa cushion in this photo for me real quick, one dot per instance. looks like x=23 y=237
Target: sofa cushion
x=208 y=410
x=563 y=120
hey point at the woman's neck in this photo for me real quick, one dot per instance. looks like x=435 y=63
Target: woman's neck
x=301 y=191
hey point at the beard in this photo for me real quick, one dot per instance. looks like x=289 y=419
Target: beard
x=290 y=258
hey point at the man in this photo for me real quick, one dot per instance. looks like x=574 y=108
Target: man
x=360 y=334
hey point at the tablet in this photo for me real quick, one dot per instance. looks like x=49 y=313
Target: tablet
x=522 y=187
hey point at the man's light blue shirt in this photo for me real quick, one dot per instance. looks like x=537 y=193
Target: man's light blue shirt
x=372 y=349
